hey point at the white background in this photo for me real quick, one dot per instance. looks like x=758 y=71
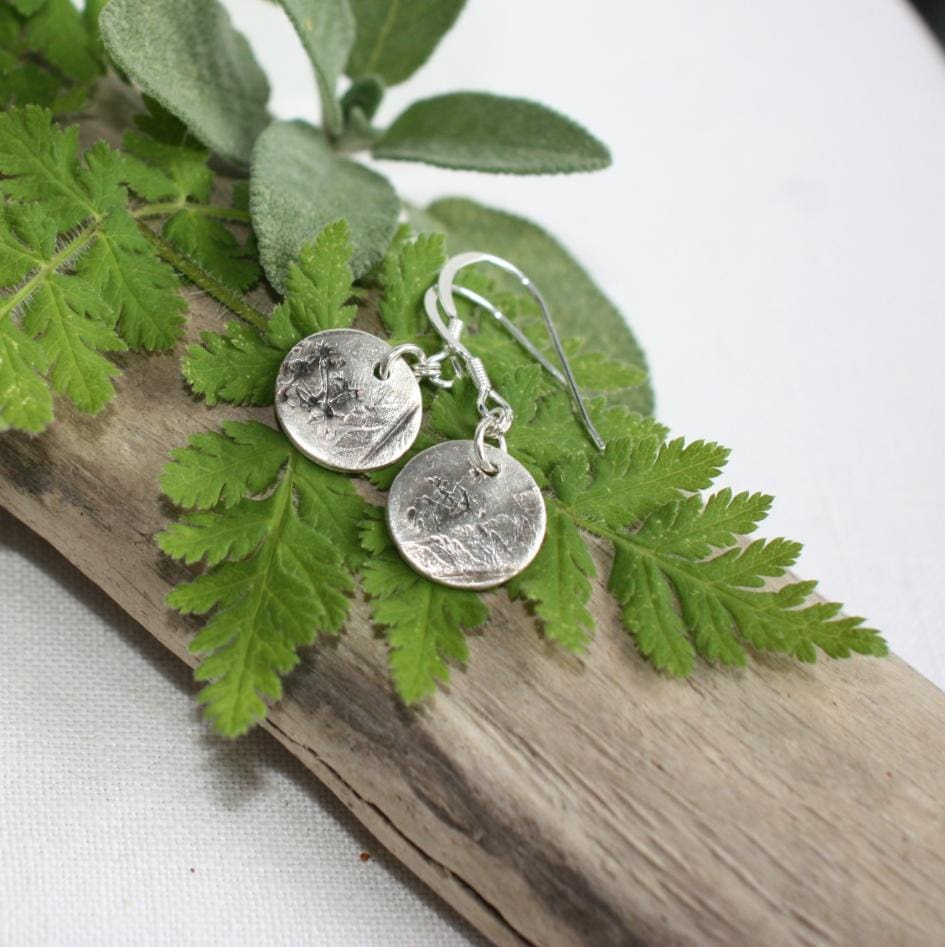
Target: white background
x=773 y=228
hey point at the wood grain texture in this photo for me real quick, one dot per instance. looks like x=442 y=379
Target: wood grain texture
x=553 y=800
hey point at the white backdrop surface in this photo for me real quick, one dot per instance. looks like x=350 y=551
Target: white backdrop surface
x=773 y=228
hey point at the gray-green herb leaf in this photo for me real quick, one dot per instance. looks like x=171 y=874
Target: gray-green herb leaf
x=327 y=29
x=298 y=185
x=580 y=309
x=189 y=57
x=477 y=131
x=396 y=37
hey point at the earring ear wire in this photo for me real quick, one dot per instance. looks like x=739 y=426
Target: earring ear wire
x=443 y=295
x=523 y=340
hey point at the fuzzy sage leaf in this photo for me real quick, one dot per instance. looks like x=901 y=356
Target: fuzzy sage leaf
x=298 y=186
x=394 y=39
x=477 y=131
x=189 y=57
x=326 y=29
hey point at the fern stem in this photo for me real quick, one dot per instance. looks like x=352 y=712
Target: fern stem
x=233 y=301
x=77 y=243
x=167 y=208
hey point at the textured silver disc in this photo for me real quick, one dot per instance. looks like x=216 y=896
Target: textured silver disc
x=335 y=409
x=462 y=527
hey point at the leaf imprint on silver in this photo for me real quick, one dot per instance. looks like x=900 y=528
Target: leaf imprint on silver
x=335 y=409
x=462 y=527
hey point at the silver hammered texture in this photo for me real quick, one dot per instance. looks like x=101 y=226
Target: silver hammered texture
x=462 y=527
x=334 y=408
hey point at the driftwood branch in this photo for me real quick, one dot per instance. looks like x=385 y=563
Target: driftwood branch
x=548 y=799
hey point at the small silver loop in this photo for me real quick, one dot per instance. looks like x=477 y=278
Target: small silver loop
x=424 y=368
x=499 y=421
x=484 y=430
x=397 y=352
x=500 y=414
x=434 y=367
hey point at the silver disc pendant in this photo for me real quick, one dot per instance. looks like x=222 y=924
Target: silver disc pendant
x=460 y=526
x=335 y=409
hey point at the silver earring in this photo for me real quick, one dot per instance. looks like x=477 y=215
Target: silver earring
x=349 y=401
x=465 y=513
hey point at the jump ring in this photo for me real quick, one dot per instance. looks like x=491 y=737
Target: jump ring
x=482 y=431
x=401 y=351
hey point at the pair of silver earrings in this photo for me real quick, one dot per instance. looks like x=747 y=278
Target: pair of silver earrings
x=463 y=513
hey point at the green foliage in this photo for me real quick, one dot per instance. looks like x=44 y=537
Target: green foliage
x=476 y=131
x=215 y=470
x=361 y=101
x=81 y=273
x=240 y=365
x=165 y=163
x=214 y=247
x=637 y=476
x=41 y=165
x=171 y=165
x=66 y=321
x=396 y=39
x=405 y=278
x=277 y=544
x=223 y=480
x=141 y=289
x=71 y=324
x=423 y=622
x=80 y=278
x=298 y=185
x=278 y=564
x=278 y=536
x=60 y=35
x=189 y=58
x=580 y=308
x=48 y=54
x=25 y=399
x=686 y=583
x=326 y=29
x=558 y=583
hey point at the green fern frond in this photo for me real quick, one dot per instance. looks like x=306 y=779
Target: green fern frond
x=81 y=275
x=687 y=585
x=424 y=623
x=49 y=54
x=240 y=364
x=278 y=537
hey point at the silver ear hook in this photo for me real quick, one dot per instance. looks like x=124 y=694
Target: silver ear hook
x=523 y=340
x=450 y=333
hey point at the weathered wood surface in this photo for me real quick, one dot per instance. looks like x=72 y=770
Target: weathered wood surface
x=548 y=799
